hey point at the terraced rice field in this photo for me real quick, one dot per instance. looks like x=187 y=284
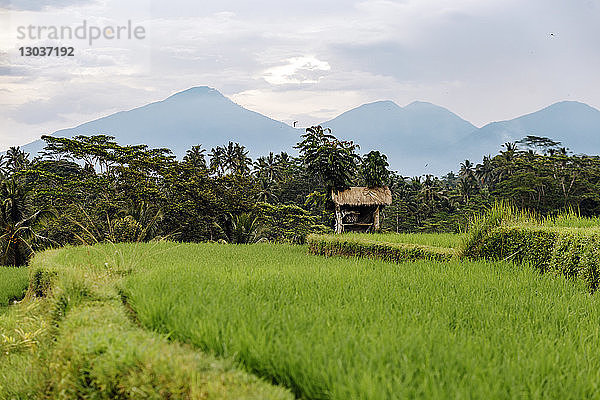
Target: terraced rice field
x=338 y=328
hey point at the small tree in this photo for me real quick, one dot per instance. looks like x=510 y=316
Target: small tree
x=19 y=236
x=333 y=162
x=374 y=169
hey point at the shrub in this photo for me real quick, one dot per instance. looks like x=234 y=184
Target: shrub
x=570 y=252
x=288 y=223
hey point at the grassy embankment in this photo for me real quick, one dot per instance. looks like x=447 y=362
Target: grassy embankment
x=76 y=339
x=567 y=245
x=389 y=246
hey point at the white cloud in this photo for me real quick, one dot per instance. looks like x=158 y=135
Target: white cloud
x=310 y=60
x=306 y=69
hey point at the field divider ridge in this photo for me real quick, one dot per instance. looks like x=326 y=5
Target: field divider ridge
x=340 y=245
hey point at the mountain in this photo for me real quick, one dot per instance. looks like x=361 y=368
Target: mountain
x=575 y=124
x=199 y=115
x=415 y=138
x=420 y=138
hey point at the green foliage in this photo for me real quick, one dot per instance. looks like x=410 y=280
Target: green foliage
x=288 y=223
x=241 y=229
x=366 y=246
x=13 y=284
x=566 y=251
x=230 y=159
x=98 y=187
x=374 y=169
x=481 y=224
x=331 y=160
x=334 y=328
x=19 y=223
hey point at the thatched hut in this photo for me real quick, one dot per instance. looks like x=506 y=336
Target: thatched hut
x=357 y=208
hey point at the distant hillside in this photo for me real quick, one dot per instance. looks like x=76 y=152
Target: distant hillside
x=415 y=138
x=199 y=115
x=421 y=138
x=575 y=124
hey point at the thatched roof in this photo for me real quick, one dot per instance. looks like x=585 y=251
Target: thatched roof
x=363 y=196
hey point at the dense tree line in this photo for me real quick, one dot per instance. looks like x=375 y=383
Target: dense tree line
x=535 y=173
x=91 y=189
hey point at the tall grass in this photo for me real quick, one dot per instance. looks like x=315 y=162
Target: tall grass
x=571 y=219
x=364 y=329
x=13 y=284
x=75 y=341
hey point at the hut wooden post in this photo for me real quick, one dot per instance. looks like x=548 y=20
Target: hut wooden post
x=339 y=227
x=376 y=219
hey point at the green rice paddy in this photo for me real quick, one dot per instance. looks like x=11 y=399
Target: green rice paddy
x=336 y=328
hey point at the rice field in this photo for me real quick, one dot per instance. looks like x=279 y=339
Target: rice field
x=337 y=328
x=13 y=284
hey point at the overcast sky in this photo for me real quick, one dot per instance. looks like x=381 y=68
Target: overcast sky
x=309 y=60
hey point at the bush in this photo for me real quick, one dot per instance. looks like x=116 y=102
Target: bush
x=570 y=252
x=288 y=223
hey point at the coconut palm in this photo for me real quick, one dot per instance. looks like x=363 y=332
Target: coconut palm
x=267 y=167
x=485 y=172
x=19 y=235
x=217 y=160
x=16 y=159
x=194 y=157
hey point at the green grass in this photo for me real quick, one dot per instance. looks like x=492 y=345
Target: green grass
x=363 y=329
x=79 y=340
x=572 y=220
x=13 y=284
x=448 y=240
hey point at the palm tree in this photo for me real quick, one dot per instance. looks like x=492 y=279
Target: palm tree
x=331 y=161
x=194 y=157
x=16 y=159
x=266 y=191
x=3 y=165
x=283 y=160
x=19 y=236
x=217 y=160
x=466 y=189
x=241 y=229
x=267 y=168
x=485 y=172
x=240 y=162
x=467 y=170
x=510 y=147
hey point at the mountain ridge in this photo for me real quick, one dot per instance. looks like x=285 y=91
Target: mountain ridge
x=419 y=138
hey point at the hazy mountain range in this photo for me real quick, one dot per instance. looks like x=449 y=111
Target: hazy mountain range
x=421 y=138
